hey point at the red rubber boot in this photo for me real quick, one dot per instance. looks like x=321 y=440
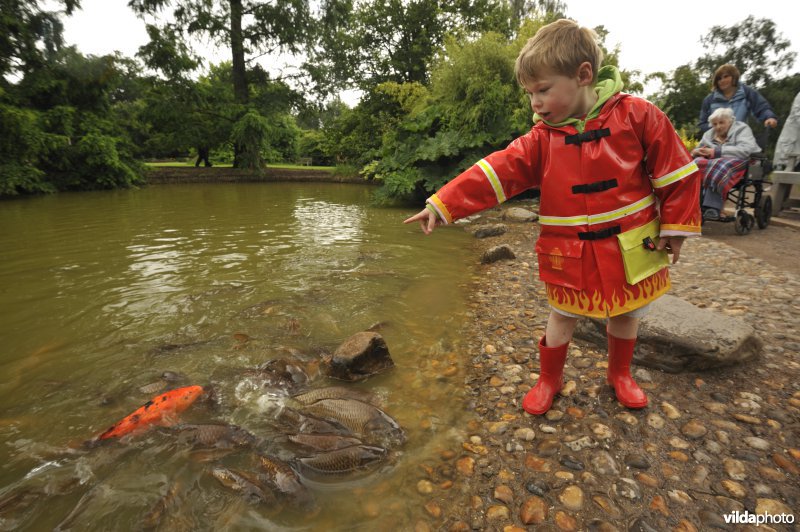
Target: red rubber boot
x=620 y=354
x=551 y=378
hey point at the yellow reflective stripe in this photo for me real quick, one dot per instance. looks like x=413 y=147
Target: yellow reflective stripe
x=682 y=228
x=624 y=211
x=564 y=220
x=441 y=210
x=493 y=180
x=677 y=175
x=590 y=219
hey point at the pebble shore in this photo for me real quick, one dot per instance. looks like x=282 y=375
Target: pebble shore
x=709 y=444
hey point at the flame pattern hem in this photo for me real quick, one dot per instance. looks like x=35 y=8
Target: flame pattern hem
x=593 y=304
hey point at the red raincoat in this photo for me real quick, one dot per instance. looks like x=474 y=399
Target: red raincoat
x=625 y=169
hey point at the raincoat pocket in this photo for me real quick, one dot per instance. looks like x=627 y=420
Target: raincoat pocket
x=639 y=259
x=560 y=261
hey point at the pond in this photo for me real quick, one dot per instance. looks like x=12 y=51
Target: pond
x=108 y=299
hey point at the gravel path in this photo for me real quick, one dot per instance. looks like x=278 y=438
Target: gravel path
x=709 y=444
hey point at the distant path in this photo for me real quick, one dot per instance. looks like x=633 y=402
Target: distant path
x=177 y=174
x=776 y=245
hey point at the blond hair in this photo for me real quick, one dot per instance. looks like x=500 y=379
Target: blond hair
x=558 y=48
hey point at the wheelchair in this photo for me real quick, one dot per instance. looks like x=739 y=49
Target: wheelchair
x=750 y=194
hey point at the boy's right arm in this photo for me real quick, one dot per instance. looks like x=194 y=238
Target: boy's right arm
x=491 y=181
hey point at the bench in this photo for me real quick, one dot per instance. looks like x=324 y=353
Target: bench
x=781 y=189
x=304 y=161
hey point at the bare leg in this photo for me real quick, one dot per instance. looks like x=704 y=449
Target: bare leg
x=559 y=329
x=623 y=326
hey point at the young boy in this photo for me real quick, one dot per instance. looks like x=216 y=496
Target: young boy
x=618 y=192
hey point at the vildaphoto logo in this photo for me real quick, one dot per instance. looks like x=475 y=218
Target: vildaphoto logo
x=746 y=518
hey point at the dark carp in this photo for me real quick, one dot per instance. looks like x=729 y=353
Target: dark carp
x=249 y=486
x=323 y=442
x=364 y=420
x=210 y=435
x=336 y=392
x=349 y=460
x=284 y=480
x=299 y=422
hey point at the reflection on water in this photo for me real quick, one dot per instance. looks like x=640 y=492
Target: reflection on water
x=102 y=295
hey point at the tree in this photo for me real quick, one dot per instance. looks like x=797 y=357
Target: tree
x=754 y=45
x=365 y=43
x=247 y=27
x=28 y=35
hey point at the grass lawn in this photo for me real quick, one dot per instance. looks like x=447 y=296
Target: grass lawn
x=228 y=165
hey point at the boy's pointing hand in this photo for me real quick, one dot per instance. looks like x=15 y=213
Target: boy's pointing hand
x=427 y=220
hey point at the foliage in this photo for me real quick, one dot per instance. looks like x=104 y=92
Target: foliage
x=263 y=140
x=758 y=51
x=753 y=45
x=29 y=35
x=70 y=125
x=21 y=142
x=473 y=106
x=312 y=144
x=365 y=43
x=681 y=96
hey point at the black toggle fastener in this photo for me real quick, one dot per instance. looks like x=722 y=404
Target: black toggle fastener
x=599 y=186
x=603 y=233
x=587 y=136
x=649 y=244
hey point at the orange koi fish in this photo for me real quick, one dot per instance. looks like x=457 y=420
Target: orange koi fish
x=160 y=410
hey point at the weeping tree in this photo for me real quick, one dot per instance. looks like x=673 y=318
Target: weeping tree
x=249 y=29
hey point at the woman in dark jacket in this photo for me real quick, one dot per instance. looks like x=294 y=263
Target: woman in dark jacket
x=728 y=92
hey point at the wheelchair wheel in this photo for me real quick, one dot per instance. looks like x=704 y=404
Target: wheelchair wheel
x=763 y=211
x=744 y=222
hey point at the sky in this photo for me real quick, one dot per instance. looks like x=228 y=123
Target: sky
x=653 y=36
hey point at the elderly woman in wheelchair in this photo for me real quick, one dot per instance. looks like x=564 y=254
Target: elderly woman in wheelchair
x=723 y=156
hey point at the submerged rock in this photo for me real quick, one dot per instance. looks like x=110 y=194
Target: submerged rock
x=362 y=355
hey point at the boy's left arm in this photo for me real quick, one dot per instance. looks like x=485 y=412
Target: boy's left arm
x=675 y=179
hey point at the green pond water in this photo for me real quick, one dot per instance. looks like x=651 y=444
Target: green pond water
x=101 y=293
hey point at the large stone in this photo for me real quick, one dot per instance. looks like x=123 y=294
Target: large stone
x=678 y=336
x=498 y=253
x=362 y=355
x=518 y=214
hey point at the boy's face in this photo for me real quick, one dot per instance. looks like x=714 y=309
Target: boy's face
x=556 y=97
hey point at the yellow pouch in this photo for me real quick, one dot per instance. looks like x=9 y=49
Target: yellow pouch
x=640 y=263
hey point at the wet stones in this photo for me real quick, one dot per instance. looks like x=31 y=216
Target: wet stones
x=637 y=461
x=694 y=429
x=670 y=411
x=572 y=498
x=362 y=355
x=519 y=215
x=734 y=468
x=485 y=231
x=704 y=447
x=603 y=464
x=498 y=253
x=627 y=488
x=533 y=511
